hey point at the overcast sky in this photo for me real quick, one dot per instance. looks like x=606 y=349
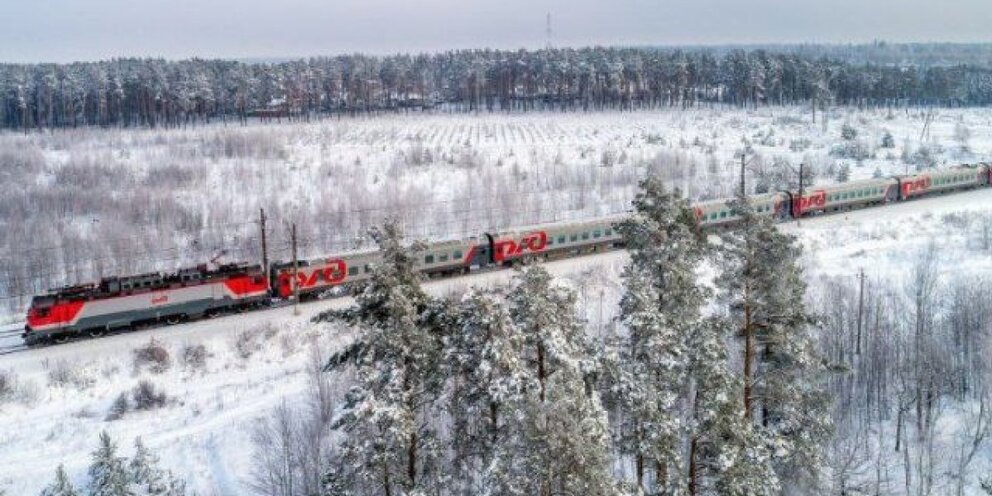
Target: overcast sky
x=67 y=30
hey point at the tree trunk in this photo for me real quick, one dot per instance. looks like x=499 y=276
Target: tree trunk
x=748 y=357
x=693 y=465
x=541 y=372
x=411 y=460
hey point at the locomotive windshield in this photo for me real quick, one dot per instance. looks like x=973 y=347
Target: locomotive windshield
x=45 y=301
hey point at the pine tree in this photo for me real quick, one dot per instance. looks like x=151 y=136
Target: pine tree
x=108 y=474
x=145 y=472
x=782 y=396
x=173 y=486
x=726 y=455
x=566 y=435
x=661 y=311
x=487 y=380
x=389 y=439
x=62 y=486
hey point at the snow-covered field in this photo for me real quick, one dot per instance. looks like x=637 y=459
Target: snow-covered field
x=255 y=361
x=96 y=202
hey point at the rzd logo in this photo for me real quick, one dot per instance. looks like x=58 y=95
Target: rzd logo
x=918 y=185
x=309 y=277
x=816 y=200
x=530 y=243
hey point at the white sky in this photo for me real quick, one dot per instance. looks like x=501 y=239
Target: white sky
x=67 y=30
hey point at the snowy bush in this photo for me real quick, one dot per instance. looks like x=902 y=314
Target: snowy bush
x=855 y=150
x=800 y=144
x=888 y=141
x=923 y=158
x=146 y=396
x=194 y=356
x=153 y=355
x=118 y=408
x=848 y=132
x=962 y=134
x=248 y=342
x=65 y=374
x=8 y=385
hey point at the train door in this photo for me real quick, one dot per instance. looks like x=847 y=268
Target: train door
x=481 y=254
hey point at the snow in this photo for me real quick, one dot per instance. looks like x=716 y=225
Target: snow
x=203 y=432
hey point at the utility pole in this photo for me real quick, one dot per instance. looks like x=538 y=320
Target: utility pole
x=743 y=164
x=265 y=248
x=799 y=209
x=861 y=308
x=296 y=269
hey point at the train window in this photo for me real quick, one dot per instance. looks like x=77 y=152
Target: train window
x=352 y=271
x=609 y=232
x=585 y=235
x=723 y=214
x=368 y=268
x=561 y=240
x=597 y=234
x=442 y=257
x=457 y=255
x=429 y=259
x=573 y=238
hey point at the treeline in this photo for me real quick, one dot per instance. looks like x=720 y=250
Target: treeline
x=157 y=92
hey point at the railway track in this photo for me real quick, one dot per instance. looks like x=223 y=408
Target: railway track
x=13 y=349
x=10 y=339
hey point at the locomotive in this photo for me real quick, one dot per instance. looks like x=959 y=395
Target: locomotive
x=124 y=303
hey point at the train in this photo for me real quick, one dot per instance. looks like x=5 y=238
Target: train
x=124 y=303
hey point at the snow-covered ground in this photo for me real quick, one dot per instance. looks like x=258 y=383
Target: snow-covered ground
x=255 y=361
x=167 y=198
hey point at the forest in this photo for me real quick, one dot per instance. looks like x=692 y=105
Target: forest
x=158 y=92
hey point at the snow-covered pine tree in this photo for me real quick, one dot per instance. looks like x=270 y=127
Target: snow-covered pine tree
x=486 y=381
x=386 y=418
x=783 y=397
x=725 y=454
x=108 y=474
x=564 y=447
x=61 y=486
x=174 y=486
x=646 y=384
x=661 y=310
x=145 y=472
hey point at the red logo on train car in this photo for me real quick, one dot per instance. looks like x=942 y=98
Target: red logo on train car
x=333 y=273
x=160 y=299
x=531 y=243
x=815 y=201
x=915 y=186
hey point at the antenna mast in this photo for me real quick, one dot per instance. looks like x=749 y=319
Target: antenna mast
x=547 y=30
